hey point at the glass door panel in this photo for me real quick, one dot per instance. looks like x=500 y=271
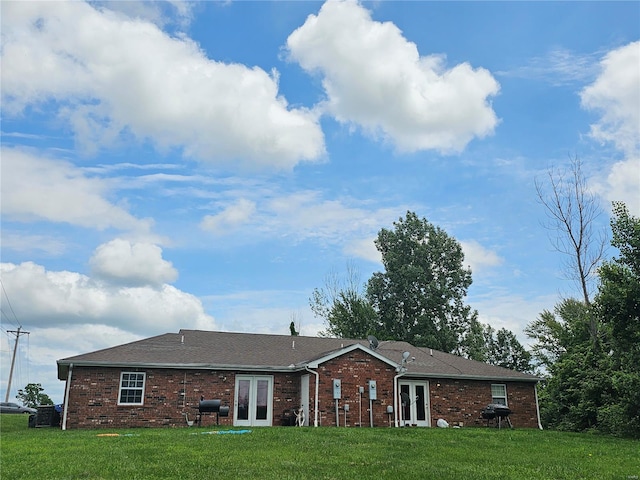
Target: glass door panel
x=420 y=403
x=405 y=399
x=244 y=388
x=262 y=399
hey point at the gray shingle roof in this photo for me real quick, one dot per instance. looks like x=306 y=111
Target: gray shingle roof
x=246 y=351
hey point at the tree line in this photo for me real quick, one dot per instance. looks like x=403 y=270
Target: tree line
x=590 y=348
x=586 y=349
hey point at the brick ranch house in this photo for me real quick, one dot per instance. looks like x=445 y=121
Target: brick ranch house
x=263 y=379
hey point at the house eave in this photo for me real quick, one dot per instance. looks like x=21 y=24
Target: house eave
x=64 y=366
x=454 y=376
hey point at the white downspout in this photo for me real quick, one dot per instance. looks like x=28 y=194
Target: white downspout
x=395 y=396
x=66 y=397
x=535 y=390
x=315 y=405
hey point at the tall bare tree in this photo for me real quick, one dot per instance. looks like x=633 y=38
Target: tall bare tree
x=572 y=212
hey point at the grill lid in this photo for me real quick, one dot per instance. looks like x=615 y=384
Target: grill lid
x=495 y=410
x=209 y=406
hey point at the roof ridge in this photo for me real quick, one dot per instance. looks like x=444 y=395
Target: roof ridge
x=192 y=348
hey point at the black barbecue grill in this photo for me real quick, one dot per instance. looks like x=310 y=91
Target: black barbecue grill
x=497 y=412
x=212 y=406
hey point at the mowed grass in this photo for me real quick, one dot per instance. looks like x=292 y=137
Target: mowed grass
x=314 y=453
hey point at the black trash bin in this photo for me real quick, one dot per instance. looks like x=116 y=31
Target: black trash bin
x=289 y=418
x=47 y=416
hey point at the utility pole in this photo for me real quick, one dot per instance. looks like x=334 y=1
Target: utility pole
x=13 y=358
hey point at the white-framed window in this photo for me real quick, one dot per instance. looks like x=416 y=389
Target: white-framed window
x=131 y=388
x=499 y=393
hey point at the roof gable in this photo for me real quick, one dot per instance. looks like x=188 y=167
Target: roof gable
x=356 y=346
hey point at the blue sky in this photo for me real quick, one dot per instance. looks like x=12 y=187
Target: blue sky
x=207 y=165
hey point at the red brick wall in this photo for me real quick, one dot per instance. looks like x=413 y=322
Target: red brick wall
x=169 y=393
x=93 y=397
x=354 y=369
x=461 y=401
x=286 y=395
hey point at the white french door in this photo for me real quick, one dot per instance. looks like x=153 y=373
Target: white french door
x=414 y=403
x=253 y=401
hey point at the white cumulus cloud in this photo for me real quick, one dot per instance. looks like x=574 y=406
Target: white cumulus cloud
x=46 y=299
x=377 y=79
x=132 y=264
x=108 y=74
x=364 y=248
x=615 y=96
x=478 y=256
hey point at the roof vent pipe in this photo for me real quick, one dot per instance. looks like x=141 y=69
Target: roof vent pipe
x=431 y=352
x=182 y=339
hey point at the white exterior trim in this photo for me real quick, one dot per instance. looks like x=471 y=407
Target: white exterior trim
x=142 y=389
x=356 y=346
x=251 y=401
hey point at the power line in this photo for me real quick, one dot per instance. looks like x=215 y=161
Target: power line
x=28 y=358
x=6 y=318
x=3 y=329
x=16 y=323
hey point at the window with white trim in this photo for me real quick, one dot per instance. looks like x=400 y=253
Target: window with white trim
x=131 y=388
x=499 y=393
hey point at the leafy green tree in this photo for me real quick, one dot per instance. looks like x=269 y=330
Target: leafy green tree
x=555 y=333
x=482 y=343
x=576 y=367
x=419 y=297
x=618 y=303
x=548 y=334
x=580 y=385
x=32 y=395
x=343 y=306
x=473 y=344
x=292 y=329
x=619 y=294
x=506 y=351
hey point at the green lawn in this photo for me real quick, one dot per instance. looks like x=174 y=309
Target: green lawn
x=323 y=453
